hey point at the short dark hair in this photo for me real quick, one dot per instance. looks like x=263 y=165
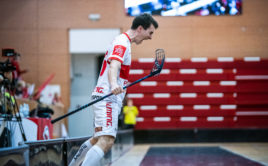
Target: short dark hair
x=145 y=20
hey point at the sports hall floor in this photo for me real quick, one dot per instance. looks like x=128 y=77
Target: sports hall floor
x=196 y=154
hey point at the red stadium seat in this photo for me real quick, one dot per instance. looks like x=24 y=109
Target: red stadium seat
x=202 y=93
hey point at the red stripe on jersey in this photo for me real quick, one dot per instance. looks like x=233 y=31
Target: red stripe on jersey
x=106 y=54
x=127 y=36
x=119 y=50
x=124 y=71
x=103 y=67
x=114 y=58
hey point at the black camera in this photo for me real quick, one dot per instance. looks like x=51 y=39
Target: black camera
x=8 y=52
x=6 y=67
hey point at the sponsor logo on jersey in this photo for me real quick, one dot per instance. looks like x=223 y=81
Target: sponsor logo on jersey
x=119 y=50
x=99 y=89
x=109 y=114
x=95 y=97
x=125 y=83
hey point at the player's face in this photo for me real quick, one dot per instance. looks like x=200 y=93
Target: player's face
x=145 y=34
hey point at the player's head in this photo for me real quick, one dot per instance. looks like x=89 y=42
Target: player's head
x=145 y=20
x=145 y=25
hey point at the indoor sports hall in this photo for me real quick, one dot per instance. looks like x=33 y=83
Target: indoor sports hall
x=195 y=81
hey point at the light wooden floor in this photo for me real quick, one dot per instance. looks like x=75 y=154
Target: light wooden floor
x=254 y=151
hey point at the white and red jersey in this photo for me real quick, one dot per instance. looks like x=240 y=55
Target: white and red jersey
x=120 y=50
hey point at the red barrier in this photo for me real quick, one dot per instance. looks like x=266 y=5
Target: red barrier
x=45 y=128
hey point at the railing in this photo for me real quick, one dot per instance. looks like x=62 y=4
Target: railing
x=14 y=156
x=59 y=152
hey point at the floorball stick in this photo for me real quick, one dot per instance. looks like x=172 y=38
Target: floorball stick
x=158 y=65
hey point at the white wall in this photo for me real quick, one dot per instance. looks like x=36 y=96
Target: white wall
x=85 y=46
x=91 y=40
x=84 y=68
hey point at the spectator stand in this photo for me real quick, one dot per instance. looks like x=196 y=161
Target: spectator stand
x=201 y=93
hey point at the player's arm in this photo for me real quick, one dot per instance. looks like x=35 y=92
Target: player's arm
x=112 y=76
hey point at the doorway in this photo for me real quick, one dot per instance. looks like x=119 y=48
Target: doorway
x=87 y=48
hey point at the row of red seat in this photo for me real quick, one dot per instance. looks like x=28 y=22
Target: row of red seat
x=202 y=93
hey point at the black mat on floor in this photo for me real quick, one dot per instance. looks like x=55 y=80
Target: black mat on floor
x=194 y=156
x=200 y=135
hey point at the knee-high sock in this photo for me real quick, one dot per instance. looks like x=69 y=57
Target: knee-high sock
x=81 y=153
x=93 y=156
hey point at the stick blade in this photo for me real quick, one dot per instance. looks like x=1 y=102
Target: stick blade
x=159 y=61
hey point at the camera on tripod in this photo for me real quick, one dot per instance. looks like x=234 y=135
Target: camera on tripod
x=9 y=110
x=7 y=65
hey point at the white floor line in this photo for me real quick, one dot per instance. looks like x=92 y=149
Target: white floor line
x=132 y=157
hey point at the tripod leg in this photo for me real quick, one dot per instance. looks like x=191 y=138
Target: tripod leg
x=16 y=113
x=18 y=117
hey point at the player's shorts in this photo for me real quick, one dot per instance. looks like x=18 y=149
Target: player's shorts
x=106 y=118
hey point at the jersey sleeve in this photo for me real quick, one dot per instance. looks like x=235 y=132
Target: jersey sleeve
x=118 y=51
